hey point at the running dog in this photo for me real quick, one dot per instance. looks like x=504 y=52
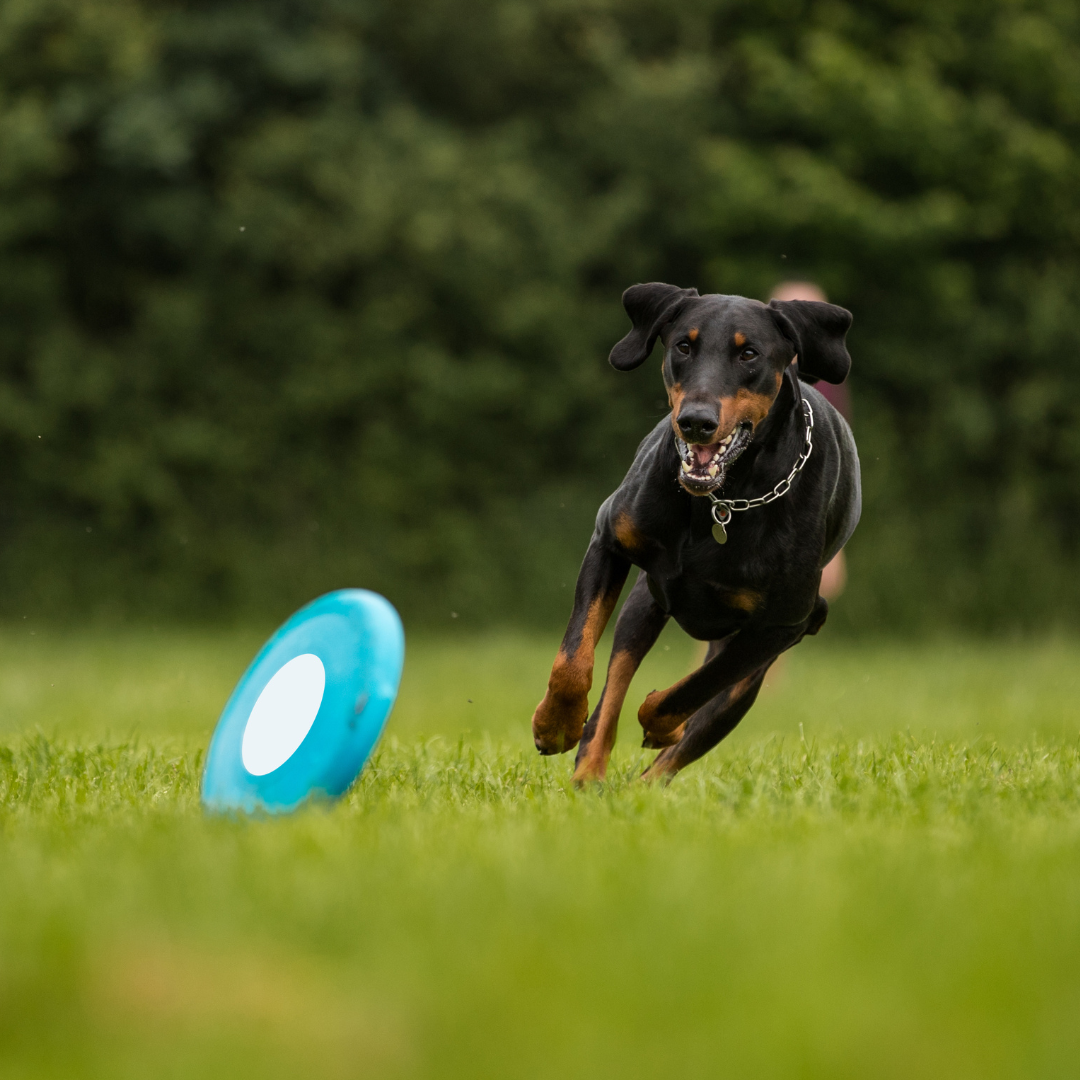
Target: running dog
x=734 y=503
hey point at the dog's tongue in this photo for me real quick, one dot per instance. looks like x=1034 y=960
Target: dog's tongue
x=703 y=454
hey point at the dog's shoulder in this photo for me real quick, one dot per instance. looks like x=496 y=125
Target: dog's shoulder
x=648 y=497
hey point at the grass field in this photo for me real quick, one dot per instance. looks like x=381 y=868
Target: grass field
x=877 y=875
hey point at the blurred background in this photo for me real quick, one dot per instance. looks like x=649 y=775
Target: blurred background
x=298 y=295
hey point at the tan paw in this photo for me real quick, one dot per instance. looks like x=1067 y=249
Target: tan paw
x=558 y=723
x=660 y=730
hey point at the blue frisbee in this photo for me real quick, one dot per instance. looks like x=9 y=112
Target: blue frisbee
x=305 y=717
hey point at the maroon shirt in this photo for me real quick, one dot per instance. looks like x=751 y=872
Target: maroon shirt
x=839 y=397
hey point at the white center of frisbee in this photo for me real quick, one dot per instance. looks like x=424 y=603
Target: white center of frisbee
x=283 y=715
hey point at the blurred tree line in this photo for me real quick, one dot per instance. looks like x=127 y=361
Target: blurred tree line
x=303 y=293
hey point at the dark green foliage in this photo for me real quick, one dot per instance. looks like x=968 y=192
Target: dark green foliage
x=297 y=295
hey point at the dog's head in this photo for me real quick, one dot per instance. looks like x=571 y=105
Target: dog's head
x=724 y=363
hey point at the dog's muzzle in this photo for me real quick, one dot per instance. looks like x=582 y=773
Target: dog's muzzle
x=702 y=468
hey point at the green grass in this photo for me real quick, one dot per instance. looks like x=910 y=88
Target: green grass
x=877 y=875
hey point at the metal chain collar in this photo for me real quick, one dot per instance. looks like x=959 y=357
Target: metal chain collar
x=722 y=509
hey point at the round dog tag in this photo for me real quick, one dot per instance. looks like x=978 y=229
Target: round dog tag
x=305 y=717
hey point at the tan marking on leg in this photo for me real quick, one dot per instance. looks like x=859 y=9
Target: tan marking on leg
x=570 y=678
x=593 y=766
x=627 y=533
x=560 y=717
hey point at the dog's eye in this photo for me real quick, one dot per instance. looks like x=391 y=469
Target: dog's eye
x=684 y=347
x=748 y=354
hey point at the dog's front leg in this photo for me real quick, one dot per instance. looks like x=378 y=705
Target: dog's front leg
x=560 y=718
x=640 y=623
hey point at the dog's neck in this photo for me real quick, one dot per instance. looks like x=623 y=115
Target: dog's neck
x=784 y=424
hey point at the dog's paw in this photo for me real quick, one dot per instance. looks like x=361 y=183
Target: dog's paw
x=658 y=742
x=660 y=730
x=558 y=723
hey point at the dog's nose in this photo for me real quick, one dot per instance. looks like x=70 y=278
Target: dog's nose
x=698 y=424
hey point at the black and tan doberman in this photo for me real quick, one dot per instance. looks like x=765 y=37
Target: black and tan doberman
x=741 y=423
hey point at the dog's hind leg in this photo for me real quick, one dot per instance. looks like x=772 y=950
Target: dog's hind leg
x=712 y=722
x=741 y=656
x=658 y=740
x=636 y=631
x=560 y=717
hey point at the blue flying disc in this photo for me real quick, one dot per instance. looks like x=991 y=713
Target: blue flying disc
x=306 y=715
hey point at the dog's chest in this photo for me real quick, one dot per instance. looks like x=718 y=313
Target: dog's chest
x=715 y=588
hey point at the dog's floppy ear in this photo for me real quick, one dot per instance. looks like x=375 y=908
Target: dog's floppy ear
x=650 y=308
x=817 y=331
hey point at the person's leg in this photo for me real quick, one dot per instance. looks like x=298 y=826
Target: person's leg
x=834 y=577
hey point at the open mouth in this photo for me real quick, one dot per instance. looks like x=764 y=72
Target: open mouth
x=703 y=468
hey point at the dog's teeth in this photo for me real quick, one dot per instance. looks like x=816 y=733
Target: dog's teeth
x=713 y=470
x=686 y=466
